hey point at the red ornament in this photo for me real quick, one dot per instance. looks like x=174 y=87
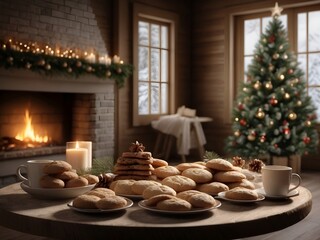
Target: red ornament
x=286 y=131
x=272 y=38
x=263 y=138
x=240 y=106
x=273 y=101
x=306 y=140
x=275 y=145
x=243 y=122
x=290 y=71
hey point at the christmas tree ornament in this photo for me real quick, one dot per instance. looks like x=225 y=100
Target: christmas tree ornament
x=281 y=77
x=257 y=85
x=271 y=123
x=264 y=40
x=290 y=71
x=237 y=133
x=287 y=96
x=285 y=56
x=306 y=140
x=286 y=131
x=308 y=123
x=275 y=56
x=268 y=85
x=271 y=67
x=272 y=38
x=262 y=138
x=260 y=114
x=273 y=101
x=243 y=122
x=292 y=116
x=240 y=106
x=262 y=70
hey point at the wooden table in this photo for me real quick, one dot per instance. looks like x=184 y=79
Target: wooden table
x=53 y=218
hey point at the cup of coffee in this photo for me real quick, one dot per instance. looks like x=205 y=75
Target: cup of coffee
x=34 y=171
x=277 y=180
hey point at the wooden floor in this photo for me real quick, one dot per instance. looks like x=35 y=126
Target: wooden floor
x=307 y=229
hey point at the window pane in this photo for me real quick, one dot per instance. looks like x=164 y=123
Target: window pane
x=302 y=59
x=251 y=35
x=302 y=32
x=314 y=93
x=143 y=98
x=143 y=33
x=155 y=35
x=155 y=64
x=155 y=104
x=164 y=65
x=314 y=30
x=314 y=69
x=164 y=98
x=143 y=64
x=164 y=37
x=247 y=61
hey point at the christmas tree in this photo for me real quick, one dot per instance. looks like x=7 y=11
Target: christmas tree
x=273 y=114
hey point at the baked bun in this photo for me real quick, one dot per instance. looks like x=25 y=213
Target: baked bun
x=244 y=183
x=124 y=187
x=219 y=164
x=77 y=182
x=101 y=192
x=159 y=163
x=166 y=171
x=86 y=201
x=174 y=204
x=51 y=182
x=56 y=167
x=157 y=190
x=183 y=166
x=240 y=193
x=153 y=201
x=67 y=175
x=92 y=179
x=111 y=202
x=198 y=175
x=228 y=176
x=212 y=188
x=179 y=183
x=139 y=186
x=201 y=200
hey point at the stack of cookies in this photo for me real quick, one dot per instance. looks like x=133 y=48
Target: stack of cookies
x=135 y=164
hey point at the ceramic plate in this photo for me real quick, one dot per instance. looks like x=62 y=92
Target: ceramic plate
x=129 y=204
x=56 y=193
x=222 y=195
x=290 y=194
x=192 y=211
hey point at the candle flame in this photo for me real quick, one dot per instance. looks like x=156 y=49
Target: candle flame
x=77 y=144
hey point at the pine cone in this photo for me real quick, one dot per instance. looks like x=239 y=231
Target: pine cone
x=256 y=165
x=238 y=161
x=105 y=180
x=136 y=147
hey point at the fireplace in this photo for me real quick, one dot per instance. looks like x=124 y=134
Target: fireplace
x=60 y=108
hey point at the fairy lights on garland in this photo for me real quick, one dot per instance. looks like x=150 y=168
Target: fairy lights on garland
x=54 y=61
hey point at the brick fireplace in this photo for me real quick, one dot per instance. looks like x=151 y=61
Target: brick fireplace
x=82 y=109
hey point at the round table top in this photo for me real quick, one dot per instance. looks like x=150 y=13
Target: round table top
x=53 y=218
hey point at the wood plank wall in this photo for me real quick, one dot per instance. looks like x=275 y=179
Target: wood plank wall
x=211 y=62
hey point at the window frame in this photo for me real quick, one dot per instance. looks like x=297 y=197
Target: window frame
x=141 y=11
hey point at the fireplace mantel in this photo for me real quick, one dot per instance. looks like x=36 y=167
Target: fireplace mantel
x=24 y=80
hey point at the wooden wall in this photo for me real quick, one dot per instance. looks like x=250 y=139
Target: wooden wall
x=211 y=76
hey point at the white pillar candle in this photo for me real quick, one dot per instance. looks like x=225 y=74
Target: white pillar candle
x=77 y=157
x=88 y=146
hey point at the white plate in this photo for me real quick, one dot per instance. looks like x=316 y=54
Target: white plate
x=56 y=193
x=290 y=194
x=192 y=211
x=222 y=195
x=129 y=204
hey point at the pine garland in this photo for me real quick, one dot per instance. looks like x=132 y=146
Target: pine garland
x=24 y=56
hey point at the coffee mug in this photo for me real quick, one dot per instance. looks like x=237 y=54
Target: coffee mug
x=34 y=170
x=277 y=179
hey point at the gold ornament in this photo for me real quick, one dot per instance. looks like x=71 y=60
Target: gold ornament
x=275 y=56
x=268 y=85
x=260 y=113
x=281 y=77
x=271 y=122
x=271 y=67
x=251 y=137
x=276 y=11
x=257 y=85
x=285 y=56
x=287 y=96
x=308 y=123
x=292 y=116
x=299 y=103
x=237 y=133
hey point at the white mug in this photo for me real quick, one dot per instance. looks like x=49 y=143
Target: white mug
x=34 y=170
x=277 y=179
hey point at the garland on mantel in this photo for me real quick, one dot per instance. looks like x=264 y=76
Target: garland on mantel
x=58 y=61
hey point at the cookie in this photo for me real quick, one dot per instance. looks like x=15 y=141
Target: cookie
x=140 y=155
x=56 y=167
x=124 y=160
x=174 y=204
x=159 y=163
x=201 y=200
x=67 y=175
x=153 y=201
x=133 y=172
x=244 y=183
x=179 y=183
x=86 y=201
x=139 y=186
x=92 y=179
x=141 y=167
x=212 y=188
x=111 y=202
x=135 y=177
x=198 y=175
x=228 y=176
x=240 y=193
x=77 y=182
x=124 y=187
x=101 y=192
x=115 y=182
x=166 y=171
x=51 y=182
x=219 y=164
x=157 y=190
x=186 y=194
x=183 y=166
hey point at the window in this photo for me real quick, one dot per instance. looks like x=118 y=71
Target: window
x=154 y=63
x=304 y=39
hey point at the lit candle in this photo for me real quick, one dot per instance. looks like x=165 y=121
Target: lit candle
x=77 y=157
x=87 y=145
